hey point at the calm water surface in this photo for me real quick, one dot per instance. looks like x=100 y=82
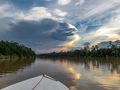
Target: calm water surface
x=77 y=74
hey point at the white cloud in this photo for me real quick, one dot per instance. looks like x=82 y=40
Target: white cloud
x=111 y=30
x=4 y=6
x=6 y=13
x=99 y=9
x=107 y=32
x=4 y=10
x=80 y=2
x=34 y=13
x=63 y=2
x=115 y=1
x=37 y=13
x=60 y=13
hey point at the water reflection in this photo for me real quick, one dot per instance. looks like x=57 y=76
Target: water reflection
x=72 y=71
x=76 y=73
x=104 y=72
x=13 y=65
x=111 y=64
x=93 y=73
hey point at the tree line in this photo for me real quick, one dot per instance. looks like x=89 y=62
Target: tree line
x=14 y=49
x=94 y=51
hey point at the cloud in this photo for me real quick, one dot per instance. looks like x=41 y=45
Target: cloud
x=109 y=31
x=43 y=35
x=37 y=27
x=96 y=21
x=115 y=1
x=100 y=24
x=80 y=2
x=34 y=13
x=24 y=4
x=102 y=7
x=63 y=2
x=4 y=7
x=37 y=13
x=60 y=13
x=66 y=30
x=7 y=18
x=5 y=10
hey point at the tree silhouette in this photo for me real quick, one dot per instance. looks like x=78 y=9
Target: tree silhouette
x=94 y=51
x=14 y=49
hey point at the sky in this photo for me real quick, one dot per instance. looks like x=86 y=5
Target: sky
x=55 y=25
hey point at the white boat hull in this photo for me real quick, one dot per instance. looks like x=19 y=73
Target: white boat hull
x=38 y=83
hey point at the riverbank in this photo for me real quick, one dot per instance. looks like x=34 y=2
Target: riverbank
x=13 y=50
x=95 y=51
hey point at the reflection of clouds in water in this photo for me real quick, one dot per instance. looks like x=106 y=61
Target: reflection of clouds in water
x=96 y=73
x=72 y=71
x=100 y=72
x=76 y=75
x=108 y=81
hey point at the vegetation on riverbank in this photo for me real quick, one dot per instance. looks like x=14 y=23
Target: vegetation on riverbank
x=95 y=51
x=13 y=50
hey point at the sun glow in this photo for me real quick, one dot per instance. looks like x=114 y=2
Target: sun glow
x=69 y=44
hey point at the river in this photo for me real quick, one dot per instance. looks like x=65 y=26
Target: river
x=77 y=74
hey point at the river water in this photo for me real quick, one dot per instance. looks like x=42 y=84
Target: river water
x=77 y=74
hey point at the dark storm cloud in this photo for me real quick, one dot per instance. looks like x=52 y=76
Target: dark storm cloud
x=44 y=34
x=63 y=31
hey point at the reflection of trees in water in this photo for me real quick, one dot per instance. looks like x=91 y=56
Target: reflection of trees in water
x=111 y=64
x=9 y=66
